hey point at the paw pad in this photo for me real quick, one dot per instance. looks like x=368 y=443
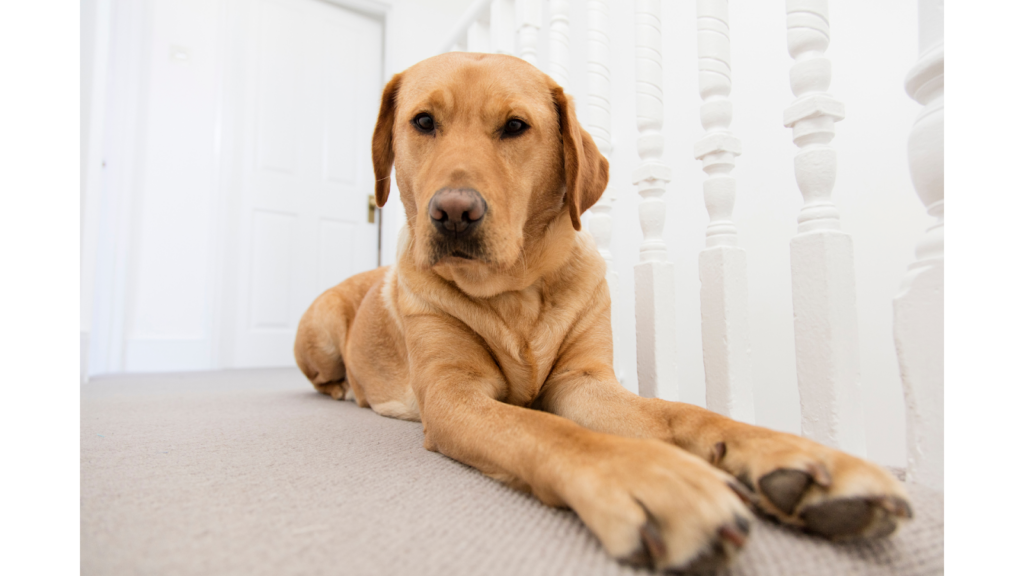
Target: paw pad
x=856 y=517
x=785 y=487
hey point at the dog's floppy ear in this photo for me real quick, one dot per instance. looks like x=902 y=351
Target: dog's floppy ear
x=586 y=170
x=383 y=141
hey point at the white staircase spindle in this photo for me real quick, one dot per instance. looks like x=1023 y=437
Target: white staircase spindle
x=918 y=321
x=824 y=299
x=655 y=293
x=478 y=36
x=599 y=88
x=503 y=22
x=528 y=19
x=558 y=43
x=723 y=265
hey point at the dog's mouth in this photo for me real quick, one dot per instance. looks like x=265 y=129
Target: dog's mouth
x=457 y=250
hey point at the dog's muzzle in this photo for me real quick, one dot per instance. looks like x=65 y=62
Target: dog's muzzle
x=457 y=214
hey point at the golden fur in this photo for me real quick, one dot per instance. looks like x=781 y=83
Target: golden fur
x=506 y=357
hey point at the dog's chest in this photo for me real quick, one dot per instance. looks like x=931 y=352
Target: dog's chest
x=528 y=332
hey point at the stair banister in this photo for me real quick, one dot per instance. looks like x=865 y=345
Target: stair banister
x=824 y=298
x=725 y=330
x=918 y=323
x=654 y=285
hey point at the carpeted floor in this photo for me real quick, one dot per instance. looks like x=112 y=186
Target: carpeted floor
x=252 y=472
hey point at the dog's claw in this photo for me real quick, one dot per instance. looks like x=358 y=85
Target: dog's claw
x=652 y=546
x=748 y=496
x=718 y=453
x=733 y=535
x=820 y=474
x=731 y=539
x=894 y=505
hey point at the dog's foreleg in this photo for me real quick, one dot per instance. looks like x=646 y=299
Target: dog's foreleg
x=799 y=481
x=647 y=501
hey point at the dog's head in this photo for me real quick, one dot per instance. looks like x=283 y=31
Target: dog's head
x=489 y=158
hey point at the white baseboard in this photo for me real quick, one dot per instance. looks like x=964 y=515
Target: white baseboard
x=167 y=354
x=83 y=358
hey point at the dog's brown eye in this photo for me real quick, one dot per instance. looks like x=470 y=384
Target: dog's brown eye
x=514 y=127
x=424 y=122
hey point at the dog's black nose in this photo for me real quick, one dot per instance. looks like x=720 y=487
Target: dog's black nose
x=456 y=210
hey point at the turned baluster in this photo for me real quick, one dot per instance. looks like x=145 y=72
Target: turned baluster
x=824 y=298
x=655 y=293
x=503 y=22
x=478 y=35
x=918 y=323
x=558 y=43
x=723 y=266
x=528 y=19
x=600 y=223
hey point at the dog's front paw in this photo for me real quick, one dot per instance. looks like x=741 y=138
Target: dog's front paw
x=819 y=489
x=654 y=505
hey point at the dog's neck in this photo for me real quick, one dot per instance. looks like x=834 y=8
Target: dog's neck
x=542 y=257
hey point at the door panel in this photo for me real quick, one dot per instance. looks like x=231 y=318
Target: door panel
x=312 y=82
x=272 y=246
x=335 y=259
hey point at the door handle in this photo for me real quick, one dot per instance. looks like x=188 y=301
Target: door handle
x=371 y=210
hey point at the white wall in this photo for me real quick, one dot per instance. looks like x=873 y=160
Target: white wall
x=874 y=43
x=94 y=41
x=168 y=322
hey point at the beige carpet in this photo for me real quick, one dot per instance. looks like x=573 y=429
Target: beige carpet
x=251 y=472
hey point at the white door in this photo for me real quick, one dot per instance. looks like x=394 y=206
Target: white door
x=311 y=83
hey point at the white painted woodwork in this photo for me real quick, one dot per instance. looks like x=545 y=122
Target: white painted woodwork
x=559 y=57
x=96 y=36
x=119 y=193
x=305 y=169
x=600 y=223
x=918 y=323
x=725 y=327
x=478 y=36
x=170 y=266
x=503 y=27
x=824 y=296
x=528 y=22
x=654 y=285
x=479 y=12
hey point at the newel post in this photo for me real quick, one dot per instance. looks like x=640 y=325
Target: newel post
x=824 y=297
x=723 y=265
x=918 y=321
x=600 y=225
x=655 y=292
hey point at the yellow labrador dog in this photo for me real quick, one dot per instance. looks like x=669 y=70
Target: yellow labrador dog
x=493 y=330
